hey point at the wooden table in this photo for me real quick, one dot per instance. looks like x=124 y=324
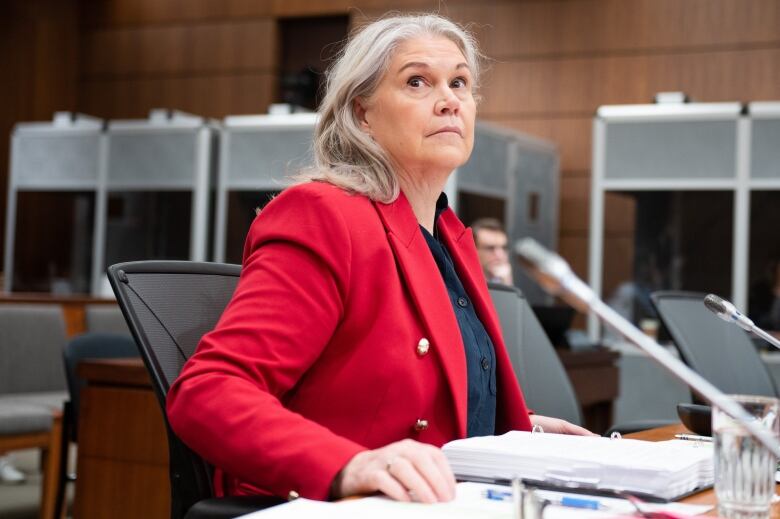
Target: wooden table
x=123 y=454
x=123 y=448
x=706 y=497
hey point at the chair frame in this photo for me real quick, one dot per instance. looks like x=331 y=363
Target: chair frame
x=50 y=443
x=656 y=297
x=191 y=483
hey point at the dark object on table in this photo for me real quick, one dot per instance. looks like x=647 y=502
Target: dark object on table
x=697 y=418
x=555 y=320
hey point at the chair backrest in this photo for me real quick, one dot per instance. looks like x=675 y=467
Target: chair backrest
x=546 y=386
x=105 y=318
x=31 y=340
x=169 y=306
x=719 y=351
x=91 y=346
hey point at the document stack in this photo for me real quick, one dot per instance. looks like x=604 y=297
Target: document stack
x=653 y=470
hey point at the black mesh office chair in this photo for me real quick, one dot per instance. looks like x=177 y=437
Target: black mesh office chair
x=169 y=306
x=719 y=351
x=81 y=347
x=546 y=386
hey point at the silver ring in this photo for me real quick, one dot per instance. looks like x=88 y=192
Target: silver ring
x=389 y=464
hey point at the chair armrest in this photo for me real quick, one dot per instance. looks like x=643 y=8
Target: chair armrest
x=230 y=507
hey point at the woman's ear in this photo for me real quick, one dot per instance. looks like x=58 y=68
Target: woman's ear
x=359 y=105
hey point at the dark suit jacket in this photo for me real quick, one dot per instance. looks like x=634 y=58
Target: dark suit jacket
x=316 y=357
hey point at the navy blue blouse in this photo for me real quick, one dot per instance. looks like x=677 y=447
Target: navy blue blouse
x=480 y=354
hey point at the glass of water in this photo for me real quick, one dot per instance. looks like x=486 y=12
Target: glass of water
x=744 y=469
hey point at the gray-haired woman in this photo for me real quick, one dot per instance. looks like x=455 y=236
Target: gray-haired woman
x=361 y=336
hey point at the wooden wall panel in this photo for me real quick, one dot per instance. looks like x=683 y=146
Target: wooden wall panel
x=513 y=30
x=110 y=13
x=178 y=49
x=211 y=96
x=577 y=86
x=571 y=134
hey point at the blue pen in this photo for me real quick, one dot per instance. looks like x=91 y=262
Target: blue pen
x=498 y=495
x=568 y=501
x=578 y=502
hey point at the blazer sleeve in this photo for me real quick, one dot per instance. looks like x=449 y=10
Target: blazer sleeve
x=227 y=402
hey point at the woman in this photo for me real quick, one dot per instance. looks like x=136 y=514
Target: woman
x=361 y=336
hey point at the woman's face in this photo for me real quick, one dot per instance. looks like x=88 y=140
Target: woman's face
x=422 y=114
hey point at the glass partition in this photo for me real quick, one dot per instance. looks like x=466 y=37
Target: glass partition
x=56 y=254
x=764 y=274
x=146 y=225
x=665 y=240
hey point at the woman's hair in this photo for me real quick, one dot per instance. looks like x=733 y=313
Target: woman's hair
x=344 y=155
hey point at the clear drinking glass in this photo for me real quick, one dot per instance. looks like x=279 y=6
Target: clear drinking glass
x=744 y=469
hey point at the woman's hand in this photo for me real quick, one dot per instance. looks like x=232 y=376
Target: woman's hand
x=406 y=471
x=558 y=426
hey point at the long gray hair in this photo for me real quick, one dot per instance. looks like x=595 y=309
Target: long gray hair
x=345 y=155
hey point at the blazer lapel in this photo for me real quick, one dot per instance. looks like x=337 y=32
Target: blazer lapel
x=460 y=243
x=429 y=293
x=511 y=412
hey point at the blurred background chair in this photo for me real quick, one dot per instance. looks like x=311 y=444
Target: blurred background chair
x=86 y=346
x=102 y=318
x=32 y=388
x=546 y=386
x=169 y=306
x=719 y=351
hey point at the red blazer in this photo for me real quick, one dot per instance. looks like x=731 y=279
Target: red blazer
x=316 y=357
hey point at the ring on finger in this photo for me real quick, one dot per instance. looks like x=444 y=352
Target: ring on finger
x=389 y=464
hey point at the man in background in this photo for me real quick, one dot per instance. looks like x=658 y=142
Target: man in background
x=491 y=241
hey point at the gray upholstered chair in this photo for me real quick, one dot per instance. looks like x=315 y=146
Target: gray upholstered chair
x=546 y=386
x=105 y=318
x=719 y=351
x=32 y=387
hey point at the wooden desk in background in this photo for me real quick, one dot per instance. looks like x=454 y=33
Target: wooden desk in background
x=594 y=375
x=123 y=449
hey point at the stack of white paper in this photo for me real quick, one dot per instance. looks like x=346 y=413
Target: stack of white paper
x=665 y=470
x=470 y=503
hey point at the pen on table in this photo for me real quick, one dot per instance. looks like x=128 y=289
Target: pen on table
x=568 y=501
x=693 y=437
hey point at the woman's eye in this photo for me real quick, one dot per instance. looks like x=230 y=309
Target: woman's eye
x=459 y=83
x=415 y=82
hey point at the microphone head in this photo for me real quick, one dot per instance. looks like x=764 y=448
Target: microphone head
x=715 y=305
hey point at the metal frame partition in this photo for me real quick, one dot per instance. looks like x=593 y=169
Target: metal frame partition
x=258 y=153
x=169 y=151
x=65 y=155
x=695 y=147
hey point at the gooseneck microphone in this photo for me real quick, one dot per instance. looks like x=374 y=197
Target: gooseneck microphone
x=729 y=313
x=556 y=277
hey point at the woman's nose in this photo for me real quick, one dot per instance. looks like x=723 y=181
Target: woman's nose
x=448 y=103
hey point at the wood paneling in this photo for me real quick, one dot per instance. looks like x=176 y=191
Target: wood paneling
x=144 y=486
x=212 y=96
x=39 y=63
x=513 y=30
x=572 y=135
x=107 y=13
x=123 y=454
x=577 y=86
x=208 y=48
